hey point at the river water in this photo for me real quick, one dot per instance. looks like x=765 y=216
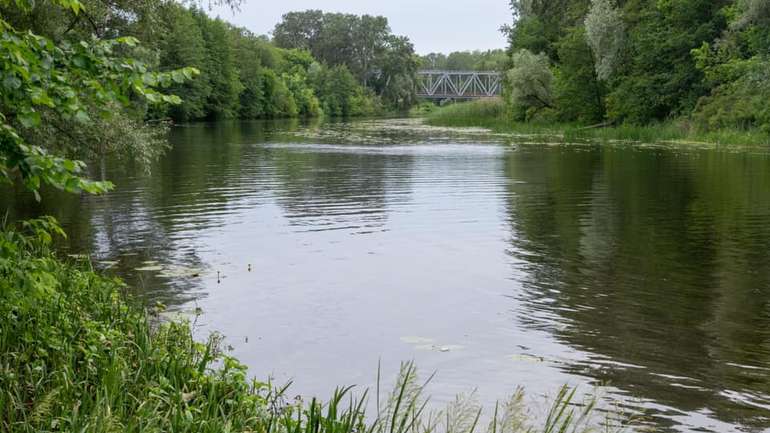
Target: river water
x=496 y=261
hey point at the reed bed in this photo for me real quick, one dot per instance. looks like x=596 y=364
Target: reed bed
x=492 y=114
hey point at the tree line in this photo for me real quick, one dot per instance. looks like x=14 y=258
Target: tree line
x=353 y=66
x=705 y=62
x=477 y=60
x=384 y=63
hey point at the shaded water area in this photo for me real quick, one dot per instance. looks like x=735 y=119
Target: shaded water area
x=495 y=261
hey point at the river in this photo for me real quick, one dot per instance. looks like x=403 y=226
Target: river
x=321 y=250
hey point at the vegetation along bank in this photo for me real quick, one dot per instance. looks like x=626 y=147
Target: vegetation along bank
x=693 y=69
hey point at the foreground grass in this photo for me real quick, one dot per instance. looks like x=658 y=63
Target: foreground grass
x=76 y=356
x=491 y=113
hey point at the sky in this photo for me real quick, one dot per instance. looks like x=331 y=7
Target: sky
x=432 y=25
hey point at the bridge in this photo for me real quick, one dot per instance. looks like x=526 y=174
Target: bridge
x=439 y=84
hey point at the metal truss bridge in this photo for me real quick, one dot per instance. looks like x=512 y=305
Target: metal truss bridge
x=437 y=84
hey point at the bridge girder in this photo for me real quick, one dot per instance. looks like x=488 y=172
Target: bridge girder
x=441 y=84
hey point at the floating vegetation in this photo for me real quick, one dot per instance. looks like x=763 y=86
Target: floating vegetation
x=175 y=271
x=526 y=358
x=151 y=268
x=170 y=271
x=395 y=132
x=424 y=343
x=107 y=264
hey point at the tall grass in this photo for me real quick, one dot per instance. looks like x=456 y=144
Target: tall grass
x=77 y=356
x=491 y=113
x=480 y=112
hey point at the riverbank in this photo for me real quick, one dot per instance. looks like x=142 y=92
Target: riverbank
x=491 y=114
x=78 y=355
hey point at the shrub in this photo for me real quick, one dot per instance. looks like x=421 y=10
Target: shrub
x=530 y=83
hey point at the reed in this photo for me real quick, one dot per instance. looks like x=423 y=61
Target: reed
x=481 y=112
x=491 y=114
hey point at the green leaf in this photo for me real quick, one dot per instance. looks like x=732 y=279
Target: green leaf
x=178 y=76
x=29 y=119
x=11 y=82
x=69 y=165
x=82 y=117
x=172 y=99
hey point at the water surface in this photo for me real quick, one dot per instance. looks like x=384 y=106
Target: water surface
x=319 y=250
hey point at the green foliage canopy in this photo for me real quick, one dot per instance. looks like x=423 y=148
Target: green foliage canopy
x=531 y=83
x=42 y=79
x=700 y=61
x=378 y=60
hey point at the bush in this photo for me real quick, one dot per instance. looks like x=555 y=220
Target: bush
x=530 y=84
x=740 y=101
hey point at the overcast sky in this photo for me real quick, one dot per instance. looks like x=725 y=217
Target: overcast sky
x=432 y=25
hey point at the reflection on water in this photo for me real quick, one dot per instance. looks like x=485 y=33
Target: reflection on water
x=495 y=263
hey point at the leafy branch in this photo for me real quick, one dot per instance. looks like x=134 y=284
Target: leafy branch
x=69 y=80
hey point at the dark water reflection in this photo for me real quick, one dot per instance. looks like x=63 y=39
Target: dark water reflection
x=537 y=265
x=656 y=259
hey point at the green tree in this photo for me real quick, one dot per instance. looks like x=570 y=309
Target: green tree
x=433 y=61
x=45 y=84
x=398 y=69
x=336 y=87
x=531 y=84
x=658 y=78
x=370 y=35
x=539 y=24
x=490 y=60
x=737 y=68
x=305 y=99
x=279 y=100
x=605 y=32
x=182 y=44
x=578 y=92
x=301 y=30
x=220 y=69
x=364 y=44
